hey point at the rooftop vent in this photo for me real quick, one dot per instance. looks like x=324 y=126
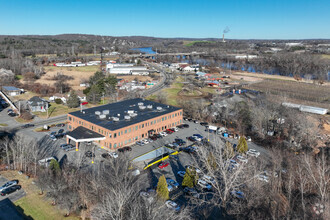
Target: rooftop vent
x=149 y=106
x=97 y=113
x=168 y=106
x=83 y=112
x=102 y=116
x=142 y=107
x=130 y=111
x=127 y=117
x=118 y=115
x=159 y=108
x=133 y=114
x=115 y=119
x=140 y=103
x=105 y=112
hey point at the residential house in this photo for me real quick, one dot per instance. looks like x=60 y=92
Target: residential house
x=63 y=97
x=37 y=104
x=11 y=90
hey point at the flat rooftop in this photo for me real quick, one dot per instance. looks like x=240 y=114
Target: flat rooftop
x=124 y=113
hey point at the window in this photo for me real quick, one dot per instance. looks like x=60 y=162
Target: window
x=126 y=131
x=80 y=122
x=151 y=122
x=162 y=118
x=109 y=135
x=92 y=128
x=110 y=145
x=70 y=127
x=118 y=133
x=129 y=130
x=125 y=141
x=121 y=132
x=142 y=125
x=136 y=127
x=139 y=126
x=154 y=121
x=114 y=135
x=129 y=141
x=165 y=117
x=70 y=118
x=115 y=145
x=180 y=113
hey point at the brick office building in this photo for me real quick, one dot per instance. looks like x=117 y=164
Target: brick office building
x=119 y=124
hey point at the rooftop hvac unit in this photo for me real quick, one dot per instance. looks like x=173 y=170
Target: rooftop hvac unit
x=133 y=114
x=140 y=103
x=149 y=106
x=97 y=113
x=105 y=112
x=83 y=112
x=102 y=116
x=142 y=107
x=127 y=117
x=130 y=111
x=159 y=108
x=118 y=115
x=115 y=119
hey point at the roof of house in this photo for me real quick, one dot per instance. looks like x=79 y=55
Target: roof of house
x=35 y=100
x=9 y=211
x=10 y=88
x=83 y=133
x=122 y=109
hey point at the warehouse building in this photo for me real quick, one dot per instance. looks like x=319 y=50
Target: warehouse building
x=120 y=124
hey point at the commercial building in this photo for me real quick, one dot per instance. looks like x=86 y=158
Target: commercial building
x=119 y=124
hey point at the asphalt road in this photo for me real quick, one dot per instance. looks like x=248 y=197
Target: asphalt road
x=13 y=196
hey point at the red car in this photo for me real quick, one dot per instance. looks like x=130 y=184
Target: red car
x=169 y=131
x=163 y=165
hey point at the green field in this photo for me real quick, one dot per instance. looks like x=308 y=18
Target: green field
x=326 y=56
x=80 y=68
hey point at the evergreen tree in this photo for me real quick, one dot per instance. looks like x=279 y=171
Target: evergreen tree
x=73 y=100
x=211 y=161
x=190 y=178
x=94 y=94
x=54 y=165
x=242 y=146
x=229 y=150
x=162 y=190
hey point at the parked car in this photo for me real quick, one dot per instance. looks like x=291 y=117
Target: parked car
x=10 y=190
x=153 y=137
x=242 y=159
x=124 y=149
x=12 y=114
x=203 y=184
x=113 y=154
x=180 y=126
x=192 y=168
x=197 y=138
x=263 y=178
x=163 y=165
x=158 y=136
x=252 y=152
x=196 y=122
x=60 y=125
x=45 y=162
x=234 y=163
x=172 y=182
x=140 y=143
x=181 y=173
x=208 y=179
x=53 y=137
x=105 y=155
x=145 y=141
x=191 y=192
x=169 y=131
x=8 y=184
x=162 y=133
x=172 y=205
x=204 y=123
x=248 y=138
x=185 y=125
x=191 y=138
x=170 y=146
x=61 y=131
x=146 y=196
x=52 y=133
x=174 y=157
x=237 y=194
x=175 y=129
x=180 y=141
x=70 y=147
x=89 y=154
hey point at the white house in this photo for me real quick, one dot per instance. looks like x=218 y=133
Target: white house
x=139 y=72
x=114 y=65
x=190 y=68
x=126 y=70
x=246 y=56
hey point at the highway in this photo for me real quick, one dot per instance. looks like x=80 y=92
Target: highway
x=164 y=81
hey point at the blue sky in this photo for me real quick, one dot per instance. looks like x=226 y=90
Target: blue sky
x=259 y=19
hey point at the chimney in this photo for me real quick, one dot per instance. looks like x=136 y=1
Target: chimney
x=223 y=38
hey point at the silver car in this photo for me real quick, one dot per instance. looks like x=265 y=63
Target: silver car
x=8 y=184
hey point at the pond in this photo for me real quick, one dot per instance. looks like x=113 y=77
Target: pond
x=147 y=50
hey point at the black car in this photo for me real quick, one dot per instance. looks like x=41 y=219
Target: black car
x=60 y=125
x=185 y=125
x=124 y=149
x=12 y=114
x=10 y=190
x=52 y=133
x=153 y=137
x=89 y=154
x=179 y=141
x=204 y=123
x=60 y=131
x=28 y=125
x=158 y=136
x=180 y=126
x=58 y=136
x=105 y=155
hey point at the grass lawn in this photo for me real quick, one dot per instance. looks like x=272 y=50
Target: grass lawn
x=33 y=204
x=80 y=68
x=209 y=90
x=3 y=124
x=22 y=121
x=25 y=96
x=55 y=110
x=172 y=92
x=326 y=56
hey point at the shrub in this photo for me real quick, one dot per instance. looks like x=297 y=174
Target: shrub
x=58 y=101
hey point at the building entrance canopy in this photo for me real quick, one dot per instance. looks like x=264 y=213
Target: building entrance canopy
x=81 y=134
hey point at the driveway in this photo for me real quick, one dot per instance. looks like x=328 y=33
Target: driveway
x=13 y=196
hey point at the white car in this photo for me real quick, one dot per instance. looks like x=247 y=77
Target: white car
x=181 y=173
x=8 y=184
x=145 y=141
x=248 y=138
x=263 y=178
x=253 y=153
x=193 y=168
x=172 y=205
x=113 y=154
x=204 y=185
x=208 y=179
x=175 y=129
x=146 y=196
x=234 y=163
x=197 y=138
x=242 y=159
x=162 y=133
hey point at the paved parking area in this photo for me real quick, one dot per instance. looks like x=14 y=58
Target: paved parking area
x=13 y=196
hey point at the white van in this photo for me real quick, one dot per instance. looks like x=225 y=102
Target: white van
x=45 y=162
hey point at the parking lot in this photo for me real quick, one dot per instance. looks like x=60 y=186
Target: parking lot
x=13 y=196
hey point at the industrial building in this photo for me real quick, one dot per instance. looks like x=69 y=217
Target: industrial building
x=120 y=124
